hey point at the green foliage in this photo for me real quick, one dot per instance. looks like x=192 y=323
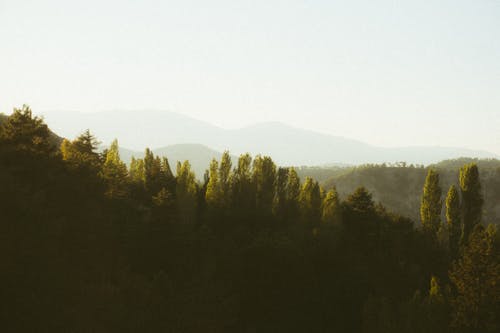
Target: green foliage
x=137 y=171
x=476 y=277
x=213 y=193
x=81 y=153
x=361 y=200
x=23 y=132
x=310 y=202
x=330 y=213
x=156 y=258
x=152 y=171
x=400 y=189
x=115 y=174
x=225 y=178
x=243 y=188
x=186 y=192
x=264 y=177
x=430 y=208
x=292 y=194
x=472 y=199
x=163 y=198
x=218 y=193
x=453 y=219
x=280 y=204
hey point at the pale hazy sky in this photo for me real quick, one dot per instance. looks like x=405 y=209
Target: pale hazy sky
x=390 y=73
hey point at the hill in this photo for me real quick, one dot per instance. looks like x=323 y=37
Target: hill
x=399 y=187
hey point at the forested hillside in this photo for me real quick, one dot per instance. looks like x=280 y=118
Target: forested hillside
x=91 y=245
x=399 y=186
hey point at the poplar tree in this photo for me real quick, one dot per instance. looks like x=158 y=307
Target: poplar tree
x=330 y=209
x=292 y=193
x=213 y=193
x=264 y=176
x=472 y=199
x=186 y=192
x=242 y=187
x=310 y=201
x=453 y=219
x=431 y=205
x=225 y=179
x=137 y=170
x=280 y=199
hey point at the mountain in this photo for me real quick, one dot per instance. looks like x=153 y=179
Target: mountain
x=135 y=130
x=287 y=145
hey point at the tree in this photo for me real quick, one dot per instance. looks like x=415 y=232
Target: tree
x=292 y=193
x=361 y=201
x=213 y=193
x=431 y=205
x=225 y=175
x=82 y=152
x=310 y=201
x=86 y=143
x=453 y=219
x=163 y=199
x=242 y=187
x=23 y=132
x=152 y=172
x=137 y=171
x=114 y=172
x=475 y=277
x=472 y=199
x=186 y=192
x=280 y=199
x=218 y=193
x=167 y=178
x=264 y=176
x=330 y=209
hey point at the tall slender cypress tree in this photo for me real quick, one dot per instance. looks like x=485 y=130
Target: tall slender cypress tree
x=330 y=212
x=472 y=199
x=431 y=205
x=453 y=219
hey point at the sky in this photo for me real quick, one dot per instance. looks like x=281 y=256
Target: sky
x=390 y=73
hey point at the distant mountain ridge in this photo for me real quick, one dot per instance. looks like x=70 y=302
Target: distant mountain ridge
x=287 y=145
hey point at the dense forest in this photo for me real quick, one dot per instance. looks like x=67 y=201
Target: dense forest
x=89 y=244
x=399 y=185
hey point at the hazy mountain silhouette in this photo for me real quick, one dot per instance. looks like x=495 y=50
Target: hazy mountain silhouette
x=287 y=145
